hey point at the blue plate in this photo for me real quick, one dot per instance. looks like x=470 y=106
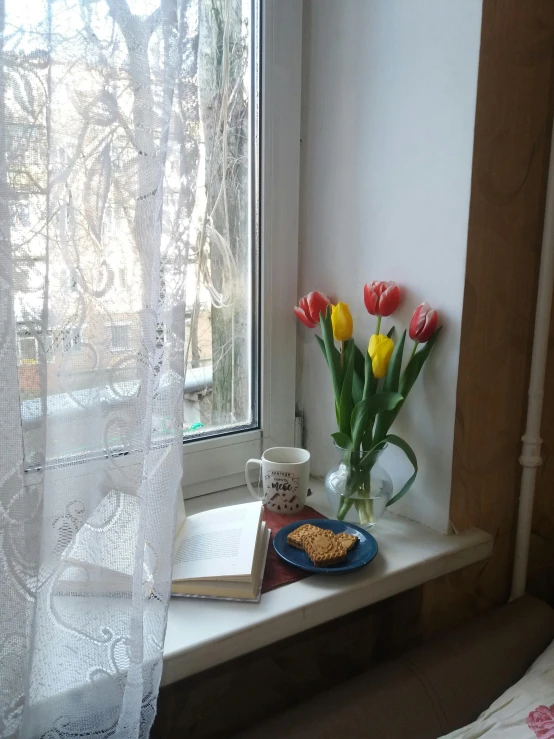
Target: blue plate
x=364 y=551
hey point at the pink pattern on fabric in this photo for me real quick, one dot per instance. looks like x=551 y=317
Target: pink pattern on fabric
x=541 y=722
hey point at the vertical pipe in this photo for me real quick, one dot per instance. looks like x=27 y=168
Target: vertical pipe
x=531 y=452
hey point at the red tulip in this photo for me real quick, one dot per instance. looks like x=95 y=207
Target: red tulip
x=301 y=315
x=381 y=298
x=424 y=323
x=310 y=307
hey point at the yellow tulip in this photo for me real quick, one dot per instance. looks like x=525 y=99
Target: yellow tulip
x=380 y=350
x=341 y=321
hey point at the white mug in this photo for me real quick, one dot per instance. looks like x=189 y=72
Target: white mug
x=285 y=478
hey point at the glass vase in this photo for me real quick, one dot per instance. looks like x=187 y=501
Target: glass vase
x=358 y=488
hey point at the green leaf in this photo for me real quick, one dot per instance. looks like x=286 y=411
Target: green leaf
x=373 y=455
x=359 y=360
x=367 y=437
x=342 y=440
x=346 y=404
x=416 y=363
x=357 y=388
x=333 y=356
x=392 y=378
x=360 y=420
x=409 y=452
x=334 y=352
x=391 y=383
x=370 y=381
x=384 y=401
x=322 y=347
x=359 y=373
x=367 y=409
x=410 y=375
x=391 y=332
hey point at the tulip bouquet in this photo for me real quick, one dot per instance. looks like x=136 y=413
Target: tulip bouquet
x=370 y=387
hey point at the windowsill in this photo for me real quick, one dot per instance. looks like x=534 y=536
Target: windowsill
x=202 y=633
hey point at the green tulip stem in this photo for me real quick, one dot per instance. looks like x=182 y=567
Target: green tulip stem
x=378 y=327
x=342 y=354
x=346 y=504
x=414 y=350
x=357 y=491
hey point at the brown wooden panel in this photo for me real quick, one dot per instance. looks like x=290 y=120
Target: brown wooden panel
x=512 y=133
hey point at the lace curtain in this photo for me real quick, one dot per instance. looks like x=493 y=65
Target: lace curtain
x=98 y=154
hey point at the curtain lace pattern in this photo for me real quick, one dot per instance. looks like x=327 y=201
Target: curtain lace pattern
x=99 y=156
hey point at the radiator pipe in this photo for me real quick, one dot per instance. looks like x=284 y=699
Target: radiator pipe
x=531 y=452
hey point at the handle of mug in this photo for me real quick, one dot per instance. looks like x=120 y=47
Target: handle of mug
x=253 y=493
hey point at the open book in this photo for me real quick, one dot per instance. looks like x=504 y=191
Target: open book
x=218 y=554
x=221 y=553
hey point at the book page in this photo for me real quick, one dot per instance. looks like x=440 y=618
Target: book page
x=227 y=589
x=181 y=516
x=218 y=543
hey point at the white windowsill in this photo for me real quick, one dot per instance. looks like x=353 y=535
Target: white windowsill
x=201 y=633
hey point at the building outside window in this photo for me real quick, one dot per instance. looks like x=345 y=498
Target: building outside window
x=27 y=346
x=120 y=338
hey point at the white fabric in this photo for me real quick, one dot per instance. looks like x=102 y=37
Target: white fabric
x=93 y=106
x=524 y=711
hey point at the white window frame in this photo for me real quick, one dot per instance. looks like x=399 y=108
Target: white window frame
x=218 y=464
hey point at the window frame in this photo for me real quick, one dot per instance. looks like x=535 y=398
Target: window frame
x=217 y=463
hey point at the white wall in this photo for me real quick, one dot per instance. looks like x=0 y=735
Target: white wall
x=388 y=115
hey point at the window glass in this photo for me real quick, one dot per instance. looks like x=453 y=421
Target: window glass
x=72 y=153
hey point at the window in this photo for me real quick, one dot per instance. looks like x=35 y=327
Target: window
x=32 y=348
x=222 y=271
x=216 y=463
x=229 y=214
x=27 y=349
x=121 y=338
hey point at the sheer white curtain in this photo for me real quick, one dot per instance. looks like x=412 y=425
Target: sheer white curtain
x=96 y=166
